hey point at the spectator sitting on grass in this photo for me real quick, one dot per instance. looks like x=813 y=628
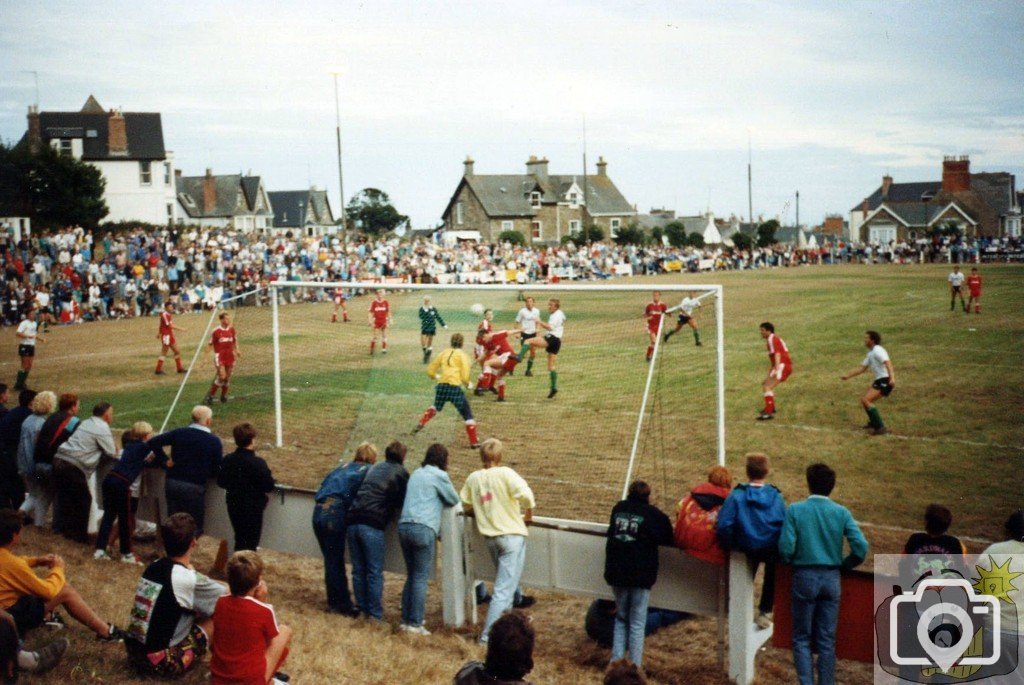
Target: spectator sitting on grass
x=250 y=645
x=31 y=599
x=13 y=658
x=171 y=623
x=509 y=654
x=599 y=622
x=624 y=672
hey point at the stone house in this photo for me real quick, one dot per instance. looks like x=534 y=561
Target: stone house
x=543 y=207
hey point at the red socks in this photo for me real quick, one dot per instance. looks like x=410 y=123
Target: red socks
x=160 y=365
x=427 y=415
x=177 y=363
x=769 y=403
x=501 y=389
x=471 y=433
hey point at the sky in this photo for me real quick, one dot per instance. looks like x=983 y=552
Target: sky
x=828 y=96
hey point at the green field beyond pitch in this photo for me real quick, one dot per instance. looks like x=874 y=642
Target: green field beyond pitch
x=955 y=414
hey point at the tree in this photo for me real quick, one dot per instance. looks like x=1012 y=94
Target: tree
x=514 y=237
x=371 y=212
x=695 y=240
x=742 y=241
x=629 y=235
x=52 y=189
x=766 y=233
x=656 y=233
x=676 y=233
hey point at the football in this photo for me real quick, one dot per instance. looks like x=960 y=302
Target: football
x=477 y=309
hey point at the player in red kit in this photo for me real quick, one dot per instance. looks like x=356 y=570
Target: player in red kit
x=779 y=368
x=500 y=361
x=653 y=312
x=480 y=351
x=380 y=319
x=974 y=287
x=167 y=341
x=224 y=342
x=339 y=303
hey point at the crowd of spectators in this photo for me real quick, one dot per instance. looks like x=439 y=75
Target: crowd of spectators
x=76 y=275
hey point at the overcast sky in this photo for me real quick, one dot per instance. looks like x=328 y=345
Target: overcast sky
x=831 y=96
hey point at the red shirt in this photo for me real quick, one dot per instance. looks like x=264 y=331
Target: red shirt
x=653 y=311
x=499 y=344
x=380 y=310
x=777 y=345
x=974 y=283
x=166 y=324
x=223 y=340
x=243 y=627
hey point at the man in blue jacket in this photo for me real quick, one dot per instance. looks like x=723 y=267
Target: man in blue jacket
x=750 y=521
x=196 y=454
x=812 y=541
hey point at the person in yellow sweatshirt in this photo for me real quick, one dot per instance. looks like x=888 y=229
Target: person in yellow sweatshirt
x=451 y=370
x=30 y=598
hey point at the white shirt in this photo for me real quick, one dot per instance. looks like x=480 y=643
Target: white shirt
x=688 y=305
x=557 y=323
x=27 y=328
x=876 y=360
x=956 y=278
x=527 y=319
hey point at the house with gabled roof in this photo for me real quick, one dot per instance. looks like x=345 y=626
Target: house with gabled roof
x=126 y=147
x=224 y=201
x=305 y=212
x=543 y=207
x=983 y=204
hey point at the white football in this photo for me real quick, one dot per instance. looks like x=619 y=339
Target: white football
x=477 y=309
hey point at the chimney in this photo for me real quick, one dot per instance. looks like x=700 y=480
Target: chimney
x=35 y=131
x=468 y=164
x=956 y=174
x=864 y=206
x=537 y=167
x=117 y=136
x=886 y=184
x=177 y=173
x=209 y=192
x=602 y=167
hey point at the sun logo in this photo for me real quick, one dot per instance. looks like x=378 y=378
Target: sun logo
x=997 y=581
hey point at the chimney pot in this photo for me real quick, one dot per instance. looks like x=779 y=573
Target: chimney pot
x=117 y=135
x=602 y=167
x=209 y=192
x=886 y=185
x=537 y=167
x=956 y=174
x=468 y=166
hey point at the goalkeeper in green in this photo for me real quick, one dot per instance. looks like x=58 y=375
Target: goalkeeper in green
x=451 y=370
x=429 y=318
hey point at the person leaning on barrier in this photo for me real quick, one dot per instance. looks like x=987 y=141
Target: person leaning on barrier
x=74 y=463
x=37 y=500
x=248 y=482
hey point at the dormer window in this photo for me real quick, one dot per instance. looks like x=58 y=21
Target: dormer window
x=65 y=148
x=535 y=199
x=574 y=199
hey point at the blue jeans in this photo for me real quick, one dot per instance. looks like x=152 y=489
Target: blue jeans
x=508 y=553
x=815 y=598
x=630 y=622
x=329 y=528
x=366 y=551
x=419 y=544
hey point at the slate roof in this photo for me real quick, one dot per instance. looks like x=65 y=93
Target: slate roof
x=144 y=131
x=902 y=192
x=994 y=188
x=293 y=206
x=228 y=188
x=997 y=189
x=919 y=214
x=508 y=195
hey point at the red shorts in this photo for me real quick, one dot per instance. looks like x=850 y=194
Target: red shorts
x=786 y=370
x=509 y=362
x=652 y=327
x=975 y=293
x=380 y=325
x=167 y=339
x=225 y=360
x=339 y=300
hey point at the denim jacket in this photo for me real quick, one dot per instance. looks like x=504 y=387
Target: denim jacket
x=339 y=488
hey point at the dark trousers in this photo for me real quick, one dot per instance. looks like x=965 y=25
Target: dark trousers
x=329 y=527
x=247 y=522
x=117 y=506
x=768 y=556
x=187 y=497
x=74 y=500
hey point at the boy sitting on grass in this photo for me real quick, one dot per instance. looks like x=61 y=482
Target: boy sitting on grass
x=250 y=644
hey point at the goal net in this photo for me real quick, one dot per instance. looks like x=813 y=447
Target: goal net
x=315 y=389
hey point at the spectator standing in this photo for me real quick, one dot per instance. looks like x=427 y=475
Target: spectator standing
x=333 y=500
x=934 y=549
x=377 y=502
x=751 y=521
x=635 y=531
x=74 y=463
x=1011 y=608
x=196 y=455
x=12 y=490
x=502 y=504
x=429 y=491
x=509 y=654
x=812 y=541
x=171 y=623
x=38 y=500
x=248 y=482
x=697 y=515
x=54 y=432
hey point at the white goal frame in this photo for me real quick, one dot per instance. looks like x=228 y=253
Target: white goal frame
x=705 y=289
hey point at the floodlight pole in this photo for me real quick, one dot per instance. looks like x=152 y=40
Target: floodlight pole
x=720 y=344
x=276 y=327
x=337 y=135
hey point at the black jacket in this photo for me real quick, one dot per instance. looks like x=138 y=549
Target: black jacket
x=635 y=531
x=380 y=497
x=247 y=479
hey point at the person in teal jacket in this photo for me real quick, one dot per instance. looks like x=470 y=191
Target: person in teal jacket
x=812 y=541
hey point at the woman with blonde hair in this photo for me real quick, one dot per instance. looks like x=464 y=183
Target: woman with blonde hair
x=40 y=491
x=332 y=502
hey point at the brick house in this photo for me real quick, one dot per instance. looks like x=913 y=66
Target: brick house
x=984 y=204
x=542 y=206
x=228 y=201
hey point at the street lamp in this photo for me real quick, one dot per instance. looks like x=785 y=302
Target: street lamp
x=337 y=134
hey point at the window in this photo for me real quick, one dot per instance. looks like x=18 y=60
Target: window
x=507 y=225
x=170 y=212
x=65 y=147
x=535 y=199
x=146 y=173
x=574 y=199
x=574 y=225
x=167 y=173
x=459 y=214
x=535 y=228
x=614 y=227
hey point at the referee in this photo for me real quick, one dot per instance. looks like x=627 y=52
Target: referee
x=451 y=369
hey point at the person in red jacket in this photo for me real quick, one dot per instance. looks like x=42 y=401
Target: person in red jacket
x=697 y=516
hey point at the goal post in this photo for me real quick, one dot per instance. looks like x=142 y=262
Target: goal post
x=661 y=421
